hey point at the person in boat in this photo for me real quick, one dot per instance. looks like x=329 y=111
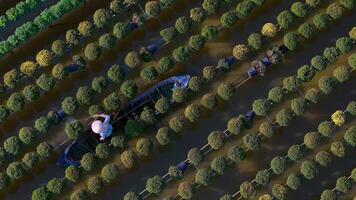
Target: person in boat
x=104 y=129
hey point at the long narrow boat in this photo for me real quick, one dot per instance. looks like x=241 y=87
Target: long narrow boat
x=74 y=152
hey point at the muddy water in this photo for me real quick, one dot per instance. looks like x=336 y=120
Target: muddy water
x=43 y=39
x=196 y=136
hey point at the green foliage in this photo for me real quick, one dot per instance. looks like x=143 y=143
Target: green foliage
x=89 y=162
x=350 y=136
x=41 y=193
x=276 y=94
x=149 y=74
x=209 y=101
x=293 y=181
x=133 y=59
x=226 y=91
x=92 y=51
x=216 y=139
x=236 y=153
x=180 y=95
x=70 y=105
x=129 y=158
x=192 y=112
x=219 y=165
x=313 y=3
x=198 y=15
x=133 y=128
x=183 y=25
x=186 y=190
x=175 y=172
x=99 y=84
x=327 y=84
x=305 y=73
x=195 y=83
x=338 y=149
x=211 y=6
x=129 y=89
x=203 y=176
x=252 y=141
x=323 y=158
x=177 y=123
x=119 y=141
x=285 y=19
x=101 y=17
x=235 y=125
x=196 y=42
x=74 y=129
x=331 y=53
x=279 y=192
x=263 y=177
x=60 y=72
x=110 y=172
x=255 y=40
x=28 y=135
x=4 y=113
x=80 y=194
x=195 y=156
x=319 y=62
x=284 y=117
x=56 y=185
x=296 y=152
x=107 y=41
x=16 y=102
x=163 y=105
x=44 y=58
x=261 y=107
x=152 y=8
x=58 y=47
x=245 y=8
x=291 y=83
x=181 y=54
x=13 y=145
x=73 y=173
x=85 y=28
x=266 y=129
x=120 y=30
x=344 y=44
x=4 y=181
x=95 y=184
x=12 y=78
x=45 y=82
x=42 y=124
x=148 y=116
x=299 y=9
x=112 y=102
x=309 y=169
x=144 y=146
x=116 y=74
x=313 y=95
x=16 y=170
x=306 y=30
x=155 y=185
x=165 y=64
x=328 y=195
x=163 y=136
x=228 y=19
x=247 y=190
x=312 y=139
x=209 y=72
x=335 y=10
x=72 y=37
x=278 y=165
x=321 y=21
x=44 y=150
x=168 y=34
x=31 y=92
x=341 y=73
x=291 y=40
x=85 y=95
x=30 y=160
x=29 y=68
x=298 y=105
x=210 y=32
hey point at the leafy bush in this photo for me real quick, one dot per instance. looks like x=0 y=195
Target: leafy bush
x=163 y=136
x=168 y=34
x=335 y=10
x=177 y=123
x=209 y=101
x=95 y=184
x=129 y=89
x=16 y=170
x=89 y=162
x=181 y=54
x=116 y=74
x=228 y=19
x=99 y=84
x=186 y=190
x=85 y=95
x=129 y=158
x=60 y=72
x=149 y=74
x=155 y=185
x=327 y=84
x=30 y=160
x=107 y=41
x=70 y=105
x=101 y=17
x=183 y=25
x=299 y=9
x=306 y=30
x=163 y=105
x=226 y=91
x=92 y=51
x=278 y=165
x=255 y=40
x=110 y=172
x=291 y=40
x=196 y=42
x=44 y=58
x=236 y=153
x=41 y=193
x=74 y=129
x=192 y=112
x=44 y=150
x=245 y=8
x=112 y=102
x=16 y=102
x=133 y=128
x=28 y=135
x=73 y=173
x=285 y=19
x=321 y=21
x=13 y=145
x=216 y=139
x=56 y=185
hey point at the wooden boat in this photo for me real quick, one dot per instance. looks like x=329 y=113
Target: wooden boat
x=74 y=152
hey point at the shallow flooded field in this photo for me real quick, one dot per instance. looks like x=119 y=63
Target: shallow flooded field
x=194 y=134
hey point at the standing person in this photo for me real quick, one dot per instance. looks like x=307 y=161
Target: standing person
x=104 y=129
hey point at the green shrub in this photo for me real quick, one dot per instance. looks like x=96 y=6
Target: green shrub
x=119 y=141
x=149 y=74
x=168 y=34
x=285 y=19
x=110 y=172
x=321 y=21
x=107 y=41
x=129 y=89
x=255 y=40
x=99 y=84
x=134 y=128
x=30 y=160
x=73 y=173
x=92 y=51
x=70 y=105
x=16 y=170
x=198 y=15
x=89 y=162
x=245 y=8
x=309 y=169
x=163 y=105
x=56 y=185
x=210 y=32
x=42 y=124
x=116 y=74
x=216 y=139
x=44 y=150
x=181 y=54
x=129 y=158
x=192 y=112
x=278 y=165
x=95 y=184
x=133 y=59
x=163 y=136
x=112 y=102
x=60 y=72
x=335 y=10
x=155 y=185
x=226 y=91
x=13 y=145
x=236 y=153
x=307 y=30
x=16 y=102
x=41 y=193
x=299 y=9
x=209 y=101
x=183 y=25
